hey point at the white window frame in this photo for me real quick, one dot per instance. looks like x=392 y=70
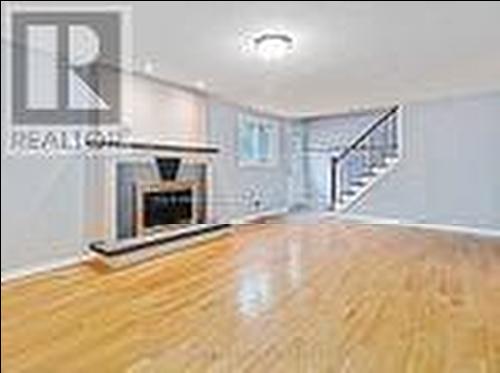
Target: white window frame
x=273 y=141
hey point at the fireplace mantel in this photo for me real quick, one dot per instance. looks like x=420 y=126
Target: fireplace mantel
x=156 y=146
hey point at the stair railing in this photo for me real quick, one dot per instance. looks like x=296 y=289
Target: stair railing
x=359 y=160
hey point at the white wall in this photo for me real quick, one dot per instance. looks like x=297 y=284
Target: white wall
x=450 y=169
x=236 y=188
x=158 y=112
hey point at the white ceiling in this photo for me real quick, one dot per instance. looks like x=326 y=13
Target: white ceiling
x=349 y=55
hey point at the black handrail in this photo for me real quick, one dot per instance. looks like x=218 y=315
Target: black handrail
x=366 y=133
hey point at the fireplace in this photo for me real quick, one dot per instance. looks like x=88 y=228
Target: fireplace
x=158 y=200
x=165 y=205
x=168 y=207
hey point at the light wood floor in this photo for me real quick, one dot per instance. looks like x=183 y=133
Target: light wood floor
x=330 y=297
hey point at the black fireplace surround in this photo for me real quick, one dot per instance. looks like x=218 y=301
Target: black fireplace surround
x=168 y=168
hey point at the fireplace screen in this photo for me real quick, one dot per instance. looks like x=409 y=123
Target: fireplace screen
x=167 y=207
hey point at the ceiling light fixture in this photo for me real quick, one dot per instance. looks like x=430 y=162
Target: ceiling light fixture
x=273 y=46
x=200 y=85
x=149 y=67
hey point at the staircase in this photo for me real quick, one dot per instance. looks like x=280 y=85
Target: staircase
x=371 y=155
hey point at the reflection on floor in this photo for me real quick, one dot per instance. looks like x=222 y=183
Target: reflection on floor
x=291 y=297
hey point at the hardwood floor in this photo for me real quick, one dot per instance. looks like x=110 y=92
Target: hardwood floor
x=325 y=297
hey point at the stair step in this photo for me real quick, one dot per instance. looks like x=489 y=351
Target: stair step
x=382 y=167
x=392 y=160
x=343 y=202
x=370 y=173
x=348 y=192
x=394 y=152
x=358 y=183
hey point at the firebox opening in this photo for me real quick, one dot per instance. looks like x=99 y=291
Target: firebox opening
x=167 y=207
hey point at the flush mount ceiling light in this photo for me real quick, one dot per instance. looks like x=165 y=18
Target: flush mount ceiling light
x=149 y=67
x=273 y=46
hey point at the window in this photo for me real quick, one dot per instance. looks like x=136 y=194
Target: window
x=257 y=140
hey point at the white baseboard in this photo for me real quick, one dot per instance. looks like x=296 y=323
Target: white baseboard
x=251 y=218
x=369 y=219
x=48 y=266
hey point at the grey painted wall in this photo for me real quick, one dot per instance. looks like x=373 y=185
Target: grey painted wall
x=42 y=202
x=450 y=169
x=235 y=188
x=297 y=181
x=41 y=210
